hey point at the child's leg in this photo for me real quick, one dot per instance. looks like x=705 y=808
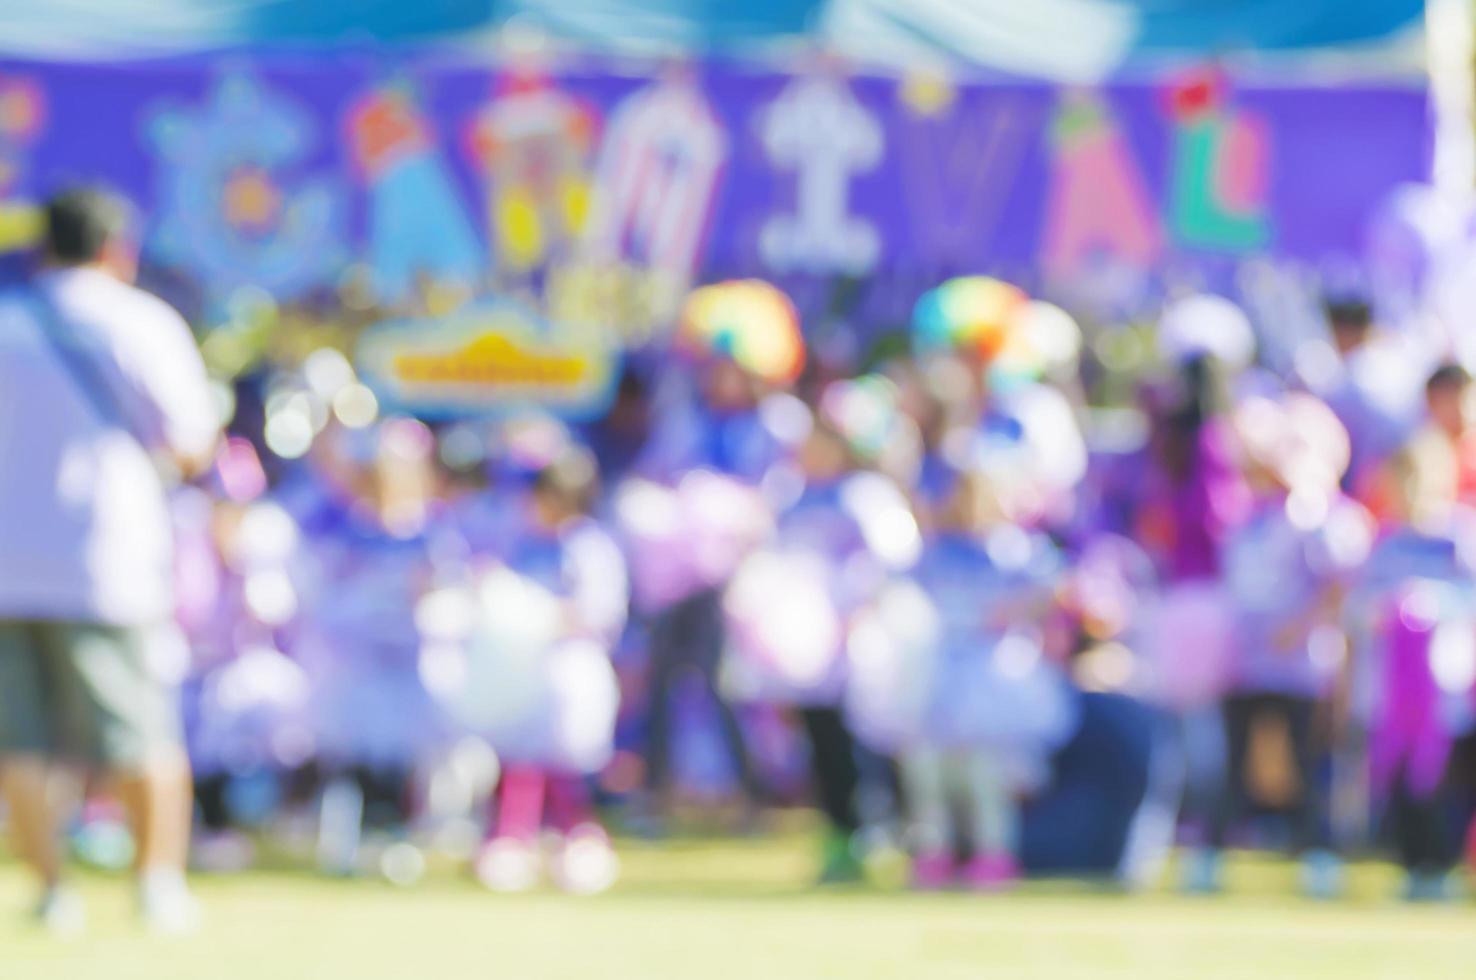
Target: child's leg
x=1310 y=822
x=833 y=761
x=925 y=779
x=520 y=798
x=568 y=804
x=210 y=799
x=1239 y=712
x=585 y=863
x=509 y=861
x=340 y=824
x=1322 y=870
x=665 y=647
x=994 y=824
x=708 y=640
x=388 y=796
x=833 y=752
x=1421 y=834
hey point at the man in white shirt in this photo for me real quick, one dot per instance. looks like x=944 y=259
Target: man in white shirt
x=101 y=390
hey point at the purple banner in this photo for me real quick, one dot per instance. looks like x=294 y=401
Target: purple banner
x=602 y=196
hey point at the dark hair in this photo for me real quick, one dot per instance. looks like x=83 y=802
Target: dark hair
x=1448 y=375
x=1346 y=312
x=1198 y=400
x=80 y=223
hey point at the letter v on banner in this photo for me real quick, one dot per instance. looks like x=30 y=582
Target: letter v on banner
x=958 y=172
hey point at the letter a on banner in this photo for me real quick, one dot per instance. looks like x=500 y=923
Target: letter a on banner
x=817 y=129
x=659 y=165
x=1096 y=199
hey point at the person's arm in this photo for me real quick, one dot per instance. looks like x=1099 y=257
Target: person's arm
x=600 y=596
x=160 y=359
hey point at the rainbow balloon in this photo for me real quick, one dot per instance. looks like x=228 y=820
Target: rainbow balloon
x=1041 y=339
x=748 y=320
x=968 y=314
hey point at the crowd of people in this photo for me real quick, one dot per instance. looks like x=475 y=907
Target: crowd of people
x=986 y=623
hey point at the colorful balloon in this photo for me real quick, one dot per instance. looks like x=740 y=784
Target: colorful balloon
x=749 y=321
x=1041 y=339
x=970 y=313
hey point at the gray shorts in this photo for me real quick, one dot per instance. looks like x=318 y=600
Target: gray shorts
x=83 y=692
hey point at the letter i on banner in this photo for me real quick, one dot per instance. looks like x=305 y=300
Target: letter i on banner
x=818 y=129
x=659 y=165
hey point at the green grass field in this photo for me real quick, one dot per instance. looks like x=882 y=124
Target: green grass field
x=743 y=908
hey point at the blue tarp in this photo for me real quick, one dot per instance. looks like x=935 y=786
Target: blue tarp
x=1027 y=36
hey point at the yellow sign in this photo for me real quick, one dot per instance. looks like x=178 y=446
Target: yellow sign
x=485 y=360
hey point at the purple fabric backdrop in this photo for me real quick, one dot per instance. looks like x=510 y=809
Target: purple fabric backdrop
x=251 y=172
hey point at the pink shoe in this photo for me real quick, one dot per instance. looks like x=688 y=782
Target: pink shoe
x=991 y=872
x=932 y=872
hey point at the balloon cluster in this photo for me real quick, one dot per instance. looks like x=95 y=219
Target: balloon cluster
x=998 y=324
x=749 y=321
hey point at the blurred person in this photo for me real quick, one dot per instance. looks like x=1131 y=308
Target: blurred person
x=790 y=603
x=1412 y=610
x=99 y=382
x=1372 y=383
x=1285 y=570
x=478 y=487
x=1122 y=764
x=365 y=561
x=1448 y=412
x=1192 y=495
x=1187 y=500
x=935 y=402
x=245 y=700
x=550 y=607
x=618 y=437
x=990 y=708
x=691 y=509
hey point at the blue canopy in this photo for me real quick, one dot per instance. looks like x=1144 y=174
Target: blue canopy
x=1023 y=36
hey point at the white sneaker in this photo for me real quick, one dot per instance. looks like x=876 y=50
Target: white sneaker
x=166 y=904
x=1429 y=886
x=586 y=864
x=1322 y=875
x=61 y=913
x=507 y=864
x=402 y=864
x=1203 y=872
